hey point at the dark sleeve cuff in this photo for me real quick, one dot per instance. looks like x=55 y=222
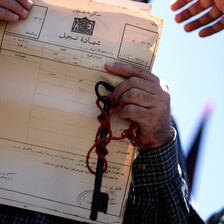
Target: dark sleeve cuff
x=156 y=166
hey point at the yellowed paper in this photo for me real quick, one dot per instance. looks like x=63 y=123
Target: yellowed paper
x=137 y=6
x=49 y=65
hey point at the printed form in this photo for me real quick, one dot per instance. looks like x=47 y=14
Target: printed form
x=49 y=65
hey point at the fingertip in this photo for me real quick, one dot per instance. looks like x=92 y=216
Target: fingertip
x=109 y=65
x=15 y=17
x=206 y=32
x=173 y=6
x=24 y=14
x=187 y=28
x=29 y=4
x=178 y=18
x=12 y=18
x=202 y=34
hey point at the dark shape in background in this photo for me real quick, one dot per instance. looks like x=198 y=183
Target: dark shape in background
x=194 y=151
x=145 y=1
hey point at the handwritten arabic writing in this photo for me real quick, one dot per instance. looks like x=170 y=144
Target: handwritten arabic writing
x=94 y=13
x=7 y=175
x=133 y=58
x=154 y=24
x=66 y=81
x=31 y=34
x=79 y=165
x=97 y=50
x=40 y=19
x=142 y=42
x=20 y=56
x=81 y=168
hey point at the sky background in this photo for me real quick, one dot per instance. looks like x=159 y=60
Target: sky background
x=193 y=67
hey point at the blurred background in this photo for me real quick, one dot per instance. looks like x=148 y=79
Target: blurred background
x=193 y=67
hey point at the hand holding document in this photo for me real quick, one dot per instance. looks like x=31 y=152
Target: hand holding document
x=49 y=65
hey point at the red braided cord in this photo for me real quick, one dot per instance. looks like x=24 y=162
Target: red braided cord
x=128 y=133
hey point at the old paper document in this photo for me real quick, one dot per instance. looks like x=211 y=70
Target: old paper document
x=49 y=65
x=137 y=6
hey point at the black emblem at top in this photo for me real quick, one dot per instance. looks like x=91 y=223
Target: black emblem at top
x=83 y=25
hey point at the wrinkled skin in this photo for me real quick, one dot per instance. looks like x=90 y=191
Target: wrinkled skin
x=147 y=101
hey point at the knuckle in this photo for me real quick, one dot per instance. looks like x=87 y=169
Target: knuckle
x=156 y=79
x=132 y=81
x=127 y=111
x=165 y=106
x=138 y=70
x=131 y=94
x=166 y=98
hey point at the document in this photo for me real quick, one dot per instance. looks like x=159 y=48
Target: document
x=49 y=65
x=137 y=6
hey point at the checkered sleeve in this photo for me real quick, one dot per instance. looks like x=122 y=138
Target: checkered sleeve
x=156 y=166
x=159 y=193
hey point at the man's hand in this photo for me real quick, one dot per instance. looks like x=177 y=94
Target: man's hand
x=216 y=12
x=148 y=102
x=13 y=10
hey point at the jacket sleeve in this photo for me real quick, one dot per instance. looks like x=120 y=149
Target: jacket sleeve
x=159 y=192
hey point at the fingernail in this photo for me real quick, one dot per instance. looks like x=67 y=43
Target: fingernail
x=15 y=17
x=178 y=18
x=25 y=13
x=109 y=65
x=29 y=3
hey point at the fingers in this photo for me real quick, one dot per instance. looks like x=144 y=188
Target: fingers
x=154 y=123
x=141 y=89
x=212 y=29
x=134 y=113
x=26 y=3
x=128 y=71
x=147 y=101
x=137 y=96
x=141 y=95
x=209 y=17
x=193 y=10
x=132 y=84
x=220 y=5
x=179 y=4
x=8 y=15
x=12 y=10
x=216 y=12
x=139 y=83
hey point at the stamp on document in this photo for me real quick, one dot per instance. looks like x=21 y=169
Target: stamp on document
x=84 y=199
x=83 y=26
